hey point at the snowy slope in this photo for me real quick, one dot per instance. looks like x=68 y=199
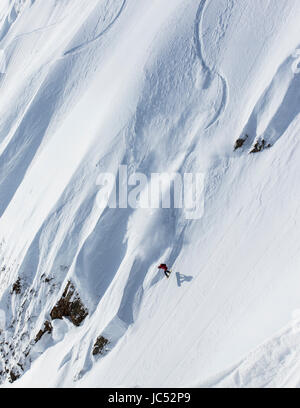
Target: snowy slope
x=161 y=86
x=273 y=364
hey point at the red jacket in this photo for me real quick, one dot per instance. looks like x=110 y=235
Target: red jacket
x=163 y=266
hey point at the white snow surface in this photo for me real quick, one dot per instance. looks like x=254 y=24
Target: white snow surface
x=162 y=86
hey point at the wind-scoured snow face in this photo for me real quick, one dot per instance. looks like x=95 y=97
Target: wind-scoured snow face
x=176 y=88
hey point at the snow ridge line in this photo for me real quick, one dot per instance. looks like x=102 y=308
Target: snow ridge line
x=209 y=70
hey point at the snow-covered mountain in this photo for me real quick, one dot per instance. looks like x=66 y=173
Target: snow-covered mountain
x=207 y=87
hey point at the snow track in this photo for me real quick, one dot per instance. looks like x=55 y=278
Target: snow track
x=210 y=72
x=112 y=21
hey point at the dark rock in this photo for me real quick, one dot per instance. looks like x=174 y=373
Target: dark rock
x=17 y=287
x=70 y=305
x=47 y=329
x=13 y=376
x=21 y=366
x=239 y=142
x=99 y=346
x=259 y=146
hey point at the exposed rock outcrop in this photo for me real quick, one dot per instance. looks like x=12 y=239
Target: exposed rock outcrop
x=70 y=305
x=260 y=145
x=13 y=375
x=240 y=142
x=17 y=287
x=100 y=345
x=47 y=329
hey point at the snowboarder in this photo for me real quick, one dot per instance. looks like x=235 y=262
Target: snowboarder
x=165 y=269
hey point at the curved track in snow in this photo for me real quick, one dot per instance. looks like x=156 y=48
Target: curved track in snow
x=210 y=71
x=78 y=48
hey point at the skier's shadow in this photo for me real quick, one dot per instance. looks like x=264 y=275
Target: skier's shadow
x=182 y=278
